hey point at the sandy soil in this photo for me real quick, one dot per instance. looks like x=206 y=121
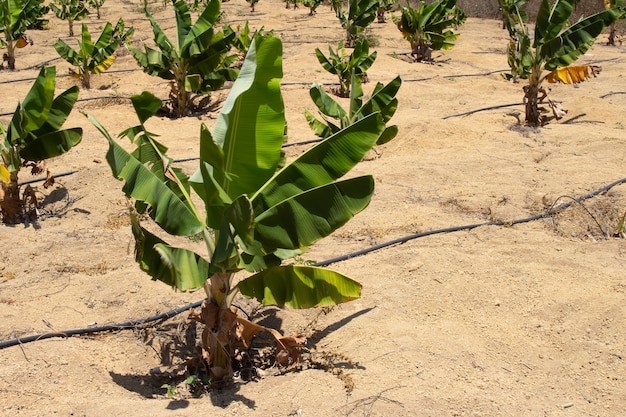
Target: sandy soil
x=519 y=320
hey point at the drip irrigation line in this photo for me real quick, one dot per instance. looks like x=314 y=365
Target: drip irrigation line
x=612 y=93
x=550 y=212
x=467 y=113
x=163 y=316
x=133 y=324
x=64 y=174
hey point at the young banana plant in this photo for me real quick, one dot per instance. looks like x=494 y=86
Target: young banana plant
x=70 y=10
x=32 y=136
x=383 y=100
x=343 y=65
x=618 y=5
x=548 y=56
x=198 y=63
x=427 y=27
x=16 y=17
x=254 y=215
x=361 y=13
x=94 y=58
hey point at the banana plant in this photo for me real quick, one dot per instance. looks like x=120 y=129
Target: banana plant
x=70 y=10
x=96 y=4
x=361 y=13
x=198 y=63
x=382 y=100
x=312 y=5
x=16 y=16
x=512 y=13
x=254 y=215
x=384 y=6
x=548 y=56
x=618 y=5
x=343 y=65
x=94 y=58
x=32 y=136
x=427 y=27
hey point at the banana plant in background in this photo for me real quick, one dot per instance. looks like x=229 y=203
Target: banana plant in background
x=70 y=10
x=382 y=100
x=617 y=5
x=96 y=4
x=32 y=136
x=312 y=5
x=254 y=215
x=16 y=16
x=384 y=6
x=198 y=63
x=361 y=13
x=555 y=46
x=343 y=65
x=94 y=58
x=427 y=27
x=512 y=14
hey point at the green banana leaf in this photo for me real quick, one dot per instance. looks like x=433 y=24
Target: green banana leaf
x=179 y=268
x=325 y=103
x=321 y=164
x=303 y=219
x=37 y=103
x=251 y=125
x=175 y=215
x=51 y=144
x=298 y=286
x=576 y=40
x=550 y=20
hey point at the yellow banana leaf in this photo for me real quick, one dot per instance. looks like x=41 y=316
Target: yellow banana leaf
x=573 y=74
x=5 y=176
x=21 y=42
x=104 y=65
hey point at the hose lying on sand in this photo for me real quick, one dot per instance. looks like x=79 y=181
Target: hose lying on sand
x=135 y=323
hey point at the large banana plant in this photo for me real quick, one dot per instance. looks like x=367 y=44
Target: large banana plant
x=70 y=10
x=32 y=136
x=254 y=215
x=361 y=13
x=548 y=56
x=382 y=100
x=343 y=65
x=427 y=27
x=94 y=58
x=200 y=60
x=16 y=16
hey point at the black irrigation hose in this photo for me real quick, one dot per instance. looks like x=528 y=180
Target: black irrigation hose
x=109 y=328
x=134 y=323
x=64 y=174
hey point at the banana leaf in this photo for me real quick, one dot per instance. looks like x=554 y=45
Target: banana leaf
x=175 y=215
x=303 y=219
x=550 y=20
x=321 y=164
x=298 y=286
x=251 y=125
x=51 y=144
x=576 y=40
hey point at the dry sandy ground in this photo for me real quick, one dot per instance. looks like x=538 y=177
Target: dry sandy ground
x=519 y=320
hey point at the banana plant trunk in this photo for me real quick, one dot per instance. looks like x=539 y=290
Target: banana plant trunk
x=11 y=54
x=532 y=99
x=220 y=324
x=421 y=51
x=11 y=204
x=182 y=95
